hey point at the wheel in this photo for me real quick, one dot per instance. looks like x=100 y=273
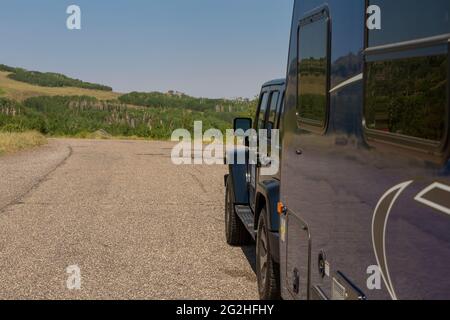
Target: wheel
x=235 y=231
x=268 y=272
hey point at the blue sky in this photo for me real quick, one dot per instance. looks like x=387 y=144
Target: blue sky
x=210 y=48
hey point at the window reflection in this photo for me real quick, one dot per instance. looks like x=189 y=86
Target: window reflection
x=273 y=110
x=262 y=111
x=408 y=96
x=312 y=69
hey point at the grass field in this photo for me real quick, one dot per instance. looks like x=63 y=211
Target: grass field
x=16 y=141
x=21 y=91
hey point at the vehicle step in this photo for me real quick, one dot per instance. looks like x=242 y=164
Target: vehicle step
x=245 y=213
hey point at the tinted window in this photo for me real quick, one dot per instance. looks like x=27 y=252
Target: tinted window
x=312 y=73
x=262 y=111
x=273 y=110
x=403 y=20
x=279 y=123
x=408 y=96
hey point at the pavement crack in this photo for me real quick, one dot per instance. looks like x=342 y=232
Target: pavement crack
x=34 y=186
x=199 y=182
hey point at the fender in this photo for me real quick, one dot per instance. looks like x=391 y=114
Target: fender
x=269 y=190
x=238 y=177
x=239 y=183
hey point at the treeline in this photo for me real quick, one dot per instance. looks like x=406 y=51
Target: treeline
x=157 y=99
x=15 y=117
x=312 y=66
x=49 y=79
x=79 y=116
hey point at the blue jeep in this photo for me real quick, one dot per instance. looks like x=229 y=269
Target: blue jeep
x=252 y=199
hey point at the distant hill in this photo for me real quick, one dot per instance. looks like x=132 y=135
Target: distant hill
x=43 y=104
x=49 y=79
x=347 y=66
x=20 y=91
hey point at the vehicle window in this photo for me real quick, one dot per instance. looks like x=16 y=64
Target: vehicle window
x=280 y=113
x=419 y=19
x=273 y=110
x=312 y=73
x=408 y=96
x=406 y=88
x=261 y=120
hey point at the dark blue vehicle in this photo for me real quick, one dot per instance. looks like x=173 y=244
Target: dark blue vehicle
x=365 y=174
x=252 y=198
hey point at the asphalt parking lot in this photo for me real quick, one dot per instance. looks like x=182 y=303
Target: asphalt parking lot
x=136 y=226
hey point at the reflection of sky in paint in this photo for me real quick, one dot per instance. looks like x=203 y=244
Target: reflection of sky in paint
x=405 y=20
x=202 y=47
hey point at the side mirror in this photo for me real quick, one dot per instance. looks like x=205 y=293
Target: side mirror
x=242 y=124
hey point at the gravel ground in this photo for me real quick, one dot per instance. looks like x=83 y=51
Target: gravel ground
x=137 y=226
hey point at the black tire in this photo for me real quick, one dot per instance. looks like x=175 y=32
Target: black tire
x=268 y=271
x=235 y=231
